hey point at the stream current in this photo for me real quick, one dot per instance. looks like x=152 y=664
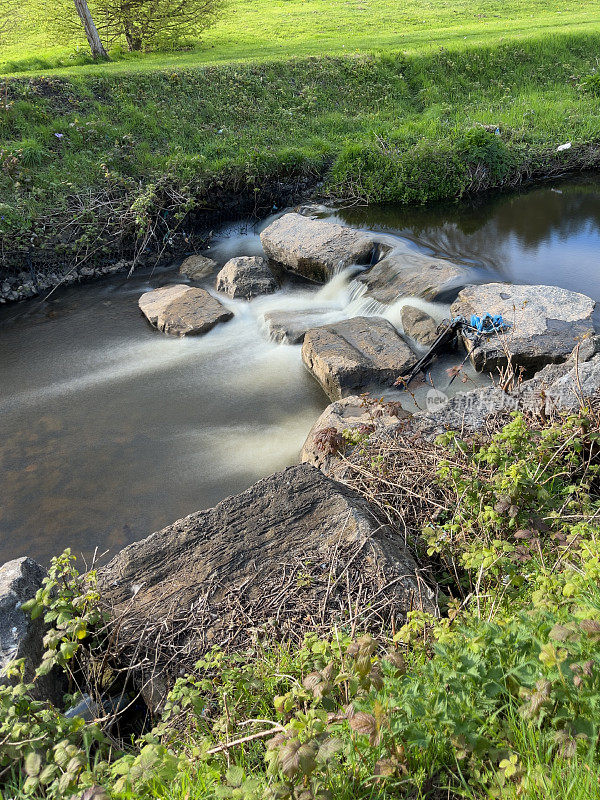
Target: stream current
x=110 y=430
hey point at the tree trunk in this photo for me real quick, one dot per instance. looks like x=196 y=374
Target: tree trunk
x=91 y=31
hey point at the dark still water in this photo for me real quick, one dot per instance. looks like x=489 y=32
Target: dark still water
x=110 y=430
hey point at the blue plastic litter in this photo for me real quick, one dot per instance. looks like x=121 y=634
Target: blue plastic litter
x=485 y=325
x=489 y=323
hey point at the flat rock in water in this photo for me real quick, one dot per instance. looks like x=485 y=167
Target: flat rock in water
x=274 y=552
x=355 y=354
x=315 y=248
x=182 y=310
x=546 y=323
x=246 y=277
x=290 y=327
x=198 y=268
x=419 y=325
x=410 y=274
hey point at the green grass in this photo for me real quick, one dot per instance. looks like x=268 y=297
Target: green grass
x=260 y=30
x=385 y=102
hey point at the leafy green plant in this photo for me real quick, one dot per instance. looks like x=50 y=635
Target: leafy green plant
x=70 y=603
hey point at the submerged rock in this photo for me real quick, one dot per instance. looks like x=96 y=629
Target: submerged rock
x=182 y=310
x=410 y=274
x=197 y=267
x=419 y=325
x=246 y=277
x=270 y=556
x=356 y=353
x=314 y=248
x=291 y=327
x=546 y=323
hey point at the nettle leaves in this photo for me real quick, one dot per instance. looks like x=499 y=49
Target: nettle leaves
x=70 y=604
x=323 y=719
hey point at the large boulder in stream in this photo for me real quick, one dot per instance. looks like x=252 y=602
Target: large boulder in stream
x=405 y=273
x=183 y=310
x=356 y=354
x=246 y=277
x=546 y=323
x=315 y=248
x=296 y=551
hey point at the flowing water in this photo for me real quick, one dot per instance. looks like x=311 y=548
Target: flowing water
x=110 y=430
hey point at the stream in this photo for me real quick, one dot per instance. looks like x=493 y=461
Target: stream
x=110 y=430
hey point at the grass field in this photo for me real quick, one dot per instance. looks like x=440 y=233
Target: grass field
x=407 y=103
x=262 y=30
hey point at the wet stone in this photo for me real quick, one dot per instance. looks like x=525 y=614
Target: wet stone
x=355 y=354
x=183 y=310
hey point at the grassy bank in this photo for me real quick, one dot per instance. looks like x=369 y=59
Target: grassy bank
x=497 y=698
x=102 y=161
x=283 y=29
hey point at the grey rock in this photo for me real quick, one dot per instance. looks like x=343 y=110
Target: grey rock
x=355 y=354
x=351 y=413
x=182 y=310
x=290 y=327
x=20 y=636
x=216 y=568
x=557 y=387
x=246 y=277
x=197 y=267
x=315 y=248
x=419 y=325
x=547 y=323
x=410 y=274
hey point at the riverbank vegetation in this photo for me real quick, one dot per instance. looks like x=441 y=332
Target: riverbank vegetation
x=109 y=160
x=496 y=698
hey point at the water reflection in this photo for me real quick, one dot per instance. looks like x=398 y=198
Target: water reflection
x=547 y=235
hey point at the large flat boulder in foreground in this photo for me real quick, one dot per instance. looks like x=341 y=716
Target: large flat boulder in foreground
x=355 y=354
x=274 y=556
x=410 y=274
x=314 y=248
x=246 y=277
x=547 y=322
x=182 y=310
